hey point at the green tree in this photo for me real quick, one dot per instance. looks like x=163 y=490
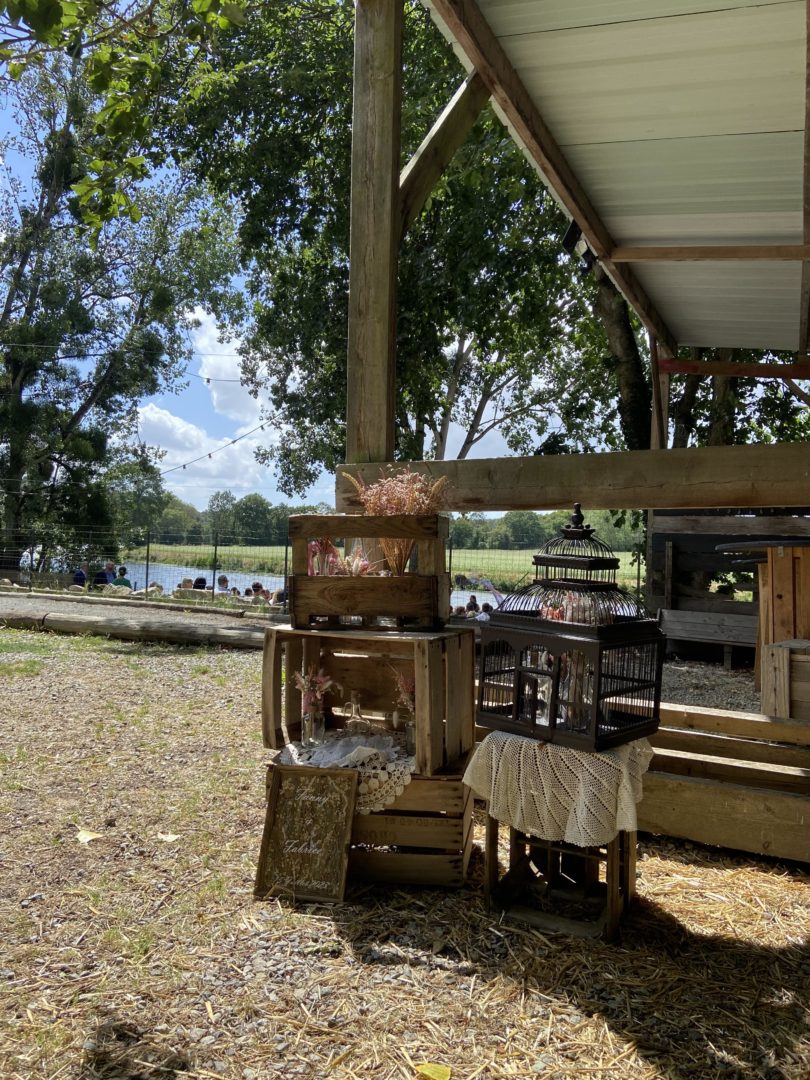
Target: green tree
x=178 y=523
x=524 y=528
x=135 y=495
x=86 y=329
x=254 y=521
x=219 y=516
x=487 y=301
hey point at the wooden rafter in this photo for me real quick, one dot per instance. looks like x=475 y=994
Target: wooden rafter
x=742 y=370
x=419 y=176
x=713 y=253
x=471 y=30
x=700 y=477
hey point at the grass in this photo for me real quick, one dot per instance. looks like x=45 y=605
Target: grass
x=508 y=569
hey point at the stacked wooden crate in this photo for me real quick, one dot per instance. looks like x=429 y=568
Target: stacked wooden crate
x=425 y=836
x=786 y=680
x=418 y=598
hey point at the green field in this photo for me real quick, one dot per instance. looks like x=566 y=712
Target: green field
x=505 y=568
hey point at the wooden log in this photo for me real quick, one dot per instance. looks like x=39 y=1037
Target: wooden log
x=728 y=527
x=742 y=725
x=732 y=770
x=635 y=479
x=725 y=814
x=181 y=633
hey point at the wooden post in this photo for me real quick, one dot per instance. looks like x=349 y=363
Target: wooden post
x=374 y=230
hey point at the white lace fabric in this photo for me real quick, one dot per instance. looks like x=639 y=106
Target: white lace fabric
x=556 y=793
x=384 y=770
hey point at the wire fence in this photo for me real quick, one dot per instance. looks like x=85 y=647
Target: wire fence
x=166 y=565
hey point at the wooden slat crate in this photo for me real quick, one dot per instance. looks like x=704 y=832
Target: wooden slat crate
x=786 y=679
x=421 y=598
x=442 y=663
x=738 y=780
x=424 y=838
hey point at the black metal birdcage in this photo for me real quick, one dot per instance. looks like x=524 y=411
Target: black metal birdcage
x=572 y=658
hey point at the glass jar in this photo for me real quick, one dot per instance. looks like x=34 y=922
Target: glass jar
x=356 y=723
x=313 y=727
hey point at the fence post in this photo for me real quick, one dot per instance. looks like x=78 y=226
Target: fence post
x=148 y=556
x=214 y=566
x=31 y=566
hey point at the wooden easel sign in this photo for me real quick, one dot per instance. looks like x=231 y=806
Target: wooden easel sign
x=305 y=845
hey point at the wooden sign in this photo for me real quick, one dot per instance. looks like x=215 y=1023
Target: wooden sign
x=305 y=846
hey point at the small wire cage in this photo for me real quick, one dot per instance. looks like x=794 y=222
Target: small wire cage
x=572 y=658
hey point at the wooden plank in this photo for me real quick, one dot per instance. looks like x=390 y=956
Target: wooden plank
x=396 y=526
x=399 y=868
x=738 y=369
x=776 y=681
x=708 y=626
x=408 y=830
x=753 y=750
x=374 y=230
x=728 y=815
x=457 y=702
x=429 y=698
x=726 y=527
x=471 y=30
x=433 y=794
x=802 y=592
x=410 y=596
x=711 y=253
x=293 y=661
x=271 y=691
x=780 y=563
x=733 y=771
x=804 y=294
x=744 y=725
x=754 y=475
x=436 y=151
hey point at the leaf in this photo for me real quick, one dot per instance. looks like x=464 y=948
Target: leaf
x=168 y=837
x=84 y=836
x=435 y=1072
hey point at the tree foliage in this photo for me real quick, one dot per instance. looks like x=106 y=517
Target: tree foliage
x=86 y=329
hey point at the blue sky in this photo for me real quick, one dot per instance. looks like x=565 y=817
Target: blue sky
x=205 y=417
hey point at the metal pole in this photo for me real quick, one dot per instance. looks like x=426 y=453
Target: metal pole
x=148 y=556
x=286 y=583
x=214 y=568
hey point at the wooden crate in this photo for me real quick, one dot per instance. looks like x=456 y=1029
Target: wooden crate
x=424 y=838
x=734 y=779
x=786 y=680
x=442 y=663
x=419 y=599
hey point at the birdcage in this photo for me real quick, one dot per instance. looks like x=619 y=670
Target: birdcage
x=572 y=658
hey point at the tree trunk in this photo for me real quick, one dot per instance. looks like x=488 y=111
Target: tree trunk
x=634 y=393
x=724 y=405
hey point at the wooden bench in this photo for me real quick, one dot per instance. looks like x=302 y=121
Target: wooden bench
x=711 y=627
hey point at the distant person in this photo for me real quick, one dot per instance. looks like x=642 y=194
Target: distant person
x=484 y=613
x=472 y=604
x=257 y=588
x=222 y=584
x=122 y=578
x=249 y=594
x=200 y=583
x=460 y=610
x=279 y=597
x=235 y=591
x=82 y=575
x=105 y=576
x=186 y=583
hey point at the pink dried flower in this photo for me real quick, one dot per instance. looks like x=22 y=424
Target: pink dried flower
x=314 y=686
x=405 y=689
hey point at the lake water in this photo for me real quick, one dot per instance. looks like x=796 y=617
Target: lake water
x=169 y=575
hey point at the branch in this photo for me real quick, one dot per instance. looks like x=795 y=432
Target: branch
x=797 y=391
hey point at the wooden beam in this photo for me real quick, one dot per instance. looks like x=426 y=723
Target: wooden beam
x=742 y=370
x=700 y=477
x=660 y=395
x=374 y=231
x=419 y=176
x=804 y=296
x=713 y=253
x=471 y=30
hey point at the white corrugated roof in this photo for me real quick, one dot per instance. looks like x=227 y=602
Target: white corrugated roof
x=684 y=123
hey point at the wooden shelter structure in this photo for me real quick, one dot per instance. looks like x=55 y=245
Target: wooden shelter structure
x=675 y=135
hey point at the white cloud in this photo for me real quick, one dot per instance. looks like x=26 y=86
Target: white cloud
x=219 y=362
x=232 y=468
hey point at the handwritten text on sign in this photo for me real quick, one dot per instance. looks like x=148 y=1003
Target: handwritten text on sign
x=305 y=844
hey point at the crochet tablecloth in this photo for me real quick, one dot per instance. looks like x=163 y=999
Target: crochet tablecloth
x=556 y=793
x=383 y=767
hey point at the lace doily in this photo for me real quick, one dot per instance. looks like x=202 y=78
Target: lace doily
x=384 y=769
x=557 y=793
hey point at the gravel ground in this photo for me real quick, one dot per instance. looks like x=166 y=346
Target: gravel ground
x=131 y=795
x=684 y=682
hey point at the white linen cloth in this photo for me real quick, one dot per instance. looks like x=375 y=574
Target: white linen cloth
x=556 y=793
x=384 y=770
